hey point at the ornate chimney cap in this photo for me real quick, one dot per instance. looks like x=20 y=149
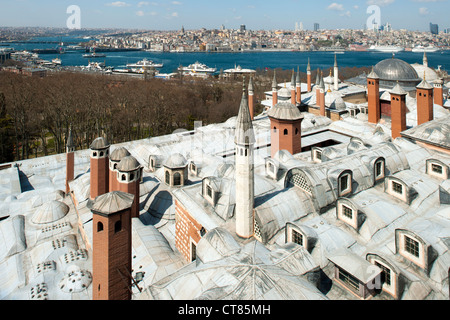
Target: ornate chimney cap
x=398 y=90
x=99 y=144
x=112 y=203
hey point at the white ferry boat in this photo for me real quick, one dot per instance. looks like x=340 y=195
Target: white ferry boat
x=238 y=70
x=197 y=69
x=425 y=49
x=145 y=63
x=388 y=49
x=57 y=61
x=94 y=55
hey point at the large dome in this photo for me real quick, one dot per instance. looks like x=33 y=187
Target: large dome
x=392 y=70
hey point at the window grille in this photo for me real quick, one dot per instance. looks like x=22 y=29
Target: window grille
x=257 y=231
x=299 y=181
x=385 y=274
x=436 y=168
x=412 y=246
x=347 y=212
x=351 y=282
x=297 y=237
x=397 y=187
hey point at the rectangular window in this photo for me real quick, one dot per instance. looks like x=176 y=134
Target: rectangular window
x=209 y=191
x=385 y=274
x=347 y=212
x=297 y=237
x=193 y=252
x=349 y=280
x=343 y=183
x=397 y=187
x=436 y=168
x=318 y=155
x=379 y=169
x=412 y=246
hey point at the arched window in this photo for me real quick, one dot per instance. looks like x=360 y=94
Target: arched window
x=101 y=153
x=274 y=129
x=124 y=177
x=118 y=226
x=131 y=176
x=296 y=131
x=177 y=179
x=167 y=177
x=115 y=166
x=286 y=132
x=99 y=227
x=94 y=154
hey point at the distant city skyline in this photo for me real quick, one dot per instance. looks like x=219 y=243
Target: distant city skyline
x=195 y=14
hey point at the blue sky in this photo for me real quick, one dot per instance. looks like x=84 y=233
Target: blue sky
x=194 y=14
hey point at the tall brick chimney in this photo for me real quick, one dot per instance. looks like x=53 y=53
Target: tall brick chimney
x=99 y=167
x=129 y=179
x=398 y=111
x=111 y=245
x=251 y=99
x=70 y=160
x=308 y=76
x=274 y=89
x=425 y=102
x=373 y=97
x=439 y=92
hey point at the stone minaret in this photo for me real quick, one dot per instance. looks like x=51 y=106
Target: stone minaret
x=251 y=99
x=99 y=167
x=111 y=246
x=70 y=160
x=425 y=102
x=373 y=97
x=336 y=74
x=245 y=176
x=398 y=111
x=298 y=84
x=425 y=59
x=308 y=76
x=274 y=89
x=293 y=88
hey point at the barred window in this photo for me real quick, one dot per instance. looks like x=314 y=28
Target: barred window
x=257 y=231
x=436 y=168
x=297 y=237
x=412 y=246
x=343 y=183
x=347 y=212
x=385 y=273
x=349 y=280
x=397 y=187
x=379 y=169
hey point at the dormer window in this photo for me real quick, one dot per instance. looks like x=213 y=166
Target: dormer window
x=397 y=188
x=297 y=237
x=437 y=169
x=347 y=212
x=379 y=169
x=209 y=191
x=344 y=182
x=412 y=246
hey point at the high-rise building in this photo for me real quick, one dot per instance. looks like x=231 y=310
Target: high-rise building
x=243 y=28
x=434 y=28
x=316 y=27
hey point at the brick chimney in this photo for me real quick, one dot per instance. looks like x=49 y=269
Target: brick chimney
x=425 y=102
x=398 y=111
x=111 y=245
x=293 y=88
x=70 y=160
x=308 y=76
x=129 y=178
x=373 y=97
x=99 y=167
x=439 y=92
x=251 y=99
x=274 y=89
x=298 y=84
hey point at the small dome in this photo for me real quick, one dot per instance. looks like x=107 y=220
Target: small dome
x=285 y=111
x=284 y=93
x=128 y=164
x=50 y=212
x=118 y=154
x=76 y=281
x=176 y=160
x=99 y=144
x=339 y=104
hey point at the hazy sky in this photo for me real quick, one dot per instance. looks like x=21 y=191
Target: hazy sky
x=194 y=14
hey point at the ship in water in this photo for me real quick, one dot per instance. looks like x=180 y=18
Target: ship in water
x=145 y=64
x=94 y=55
x=197 y=69
x=57 y=61
x=425 y=49
x=388 y=49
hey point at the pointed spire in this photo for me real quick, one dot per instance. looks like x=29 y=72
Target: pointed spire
x=274 y=81
x=293 y=79
x=321 y=83
x=425 y=59
x=250 y=84
x=398 y=90
x=373 y=75
x=308 y=68
x=244 y=134
x=318 y=77
x=70 y=145
x=298 y=80
x=424 y=84
x=335 y=61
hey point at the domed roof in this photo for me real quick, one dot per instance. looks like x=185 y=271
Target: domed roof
x=99 y=143
x=284 y=93
x=119 y=153
x=285 y=111
x=176 y=160
x=430 y=74
x=50 y=212
x=128 y=164
x=395 y=69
